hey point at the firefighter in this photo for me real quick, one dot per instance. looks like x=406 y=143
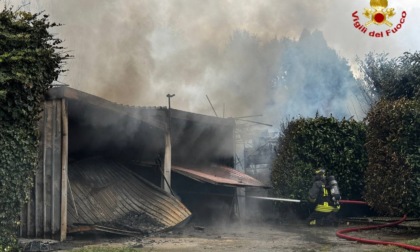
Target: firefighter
x=327 y=206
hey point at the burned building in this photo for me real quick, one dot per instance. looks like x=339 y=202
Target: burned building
x=129 y=170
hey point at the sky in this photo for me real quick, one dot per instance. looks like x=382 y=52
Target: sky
x=137 y=51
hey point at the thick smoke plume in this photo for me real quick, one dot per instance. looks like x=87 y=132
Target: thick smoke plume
x=137 y=51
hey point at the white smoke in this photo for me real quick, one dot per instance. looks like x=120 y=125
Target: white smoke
x=137 y=51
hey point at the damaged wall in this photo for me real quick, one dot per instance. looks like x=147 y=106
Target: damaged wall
x=45 y=215
x=132 y=136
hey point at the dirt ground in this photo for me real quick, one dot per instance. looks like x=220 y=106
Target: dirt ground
x=240 y=236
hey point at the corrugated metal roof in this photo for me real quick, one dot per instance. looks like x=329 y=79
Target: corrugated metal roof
x=107 y=194
x=219 y=175
x=145 y=113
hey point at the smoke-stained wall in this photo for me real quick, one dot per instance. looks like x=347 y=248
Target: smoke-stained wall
x=196 y=143
x=197 y=140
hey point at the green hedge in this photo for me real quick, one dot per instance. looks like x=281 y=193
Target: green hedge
x=29 y=63
x=393 y=145
x=308 y=143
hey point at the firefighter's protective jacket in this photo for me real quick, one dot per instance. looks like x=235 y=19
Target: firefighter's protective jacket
x=320 y=195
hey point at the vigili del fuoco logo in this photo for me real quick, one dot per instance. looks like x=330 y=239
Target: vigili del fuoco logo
x=379 y=21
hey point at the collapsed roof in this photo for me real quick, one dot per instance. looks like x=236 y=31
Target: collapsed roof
x=106 y=195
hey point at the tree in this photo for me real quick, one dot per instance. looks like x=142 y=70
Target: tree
x=315 y=78
x=30 y=60
x=391 y=79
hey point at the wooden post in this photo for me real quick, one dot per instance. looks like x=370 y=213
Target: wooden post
x=64 y=172
x=166 y=180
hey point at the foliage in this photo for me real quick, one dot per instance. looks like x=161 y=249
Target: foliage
x=307 y=144
x=393 y=174
x=391 y=79
x=3 y=94
x=315 y=78
x=29 y=63
x=392 y=178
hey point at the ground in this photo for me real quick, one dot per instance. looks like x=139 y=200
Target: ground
x=240 y=236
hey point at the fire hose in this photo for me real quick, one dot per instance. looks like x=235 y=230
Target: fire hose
x=342 y=233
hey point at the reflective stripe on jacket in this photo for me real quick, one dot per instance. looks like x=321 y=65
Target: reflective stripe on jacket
x=320 y=195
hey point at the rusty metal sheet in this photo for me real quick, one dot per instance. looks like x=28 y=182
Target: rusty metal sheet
x=41 y=215
x=106 y=194
x=219 y=175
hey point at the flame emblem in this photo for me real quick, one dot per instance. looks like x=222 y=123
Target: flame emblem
x=379 y=13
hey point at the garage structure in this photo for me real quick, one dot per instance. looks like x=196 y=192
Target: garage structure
x=110 y=167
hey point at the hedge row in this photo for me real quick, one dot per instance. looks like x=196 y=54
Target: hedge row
x=378 y=162
x=393 y=146
x=309 y=143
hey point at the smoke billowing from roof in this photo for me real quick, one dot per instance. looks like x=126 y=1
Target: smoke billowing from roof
x=136 y=52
